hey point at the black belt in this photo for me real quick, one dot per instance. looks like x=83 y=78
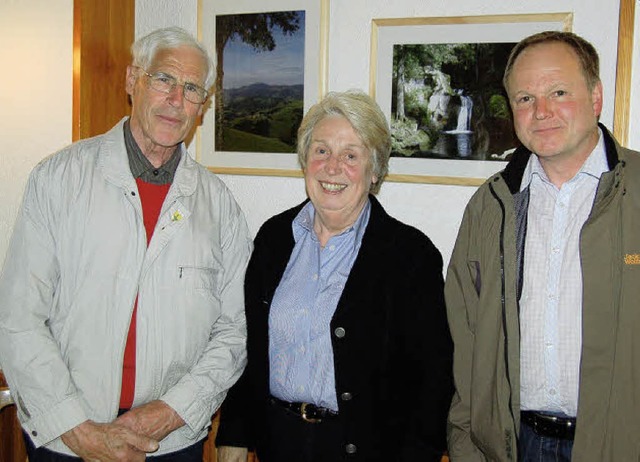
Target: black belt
x=307 y=411
x=550 y=425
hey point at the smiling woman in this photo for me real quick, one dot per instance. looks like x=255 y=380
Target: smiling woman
x=345 y=313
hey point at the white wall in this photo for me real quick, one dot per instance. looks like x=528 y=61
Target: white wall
x=37 y=58
x=35 y=94
x=437 y=210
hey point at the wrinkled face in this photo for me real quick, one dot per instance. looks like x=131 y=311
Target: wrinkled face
x=555 y=113
x=338 y=173
x=160 y=121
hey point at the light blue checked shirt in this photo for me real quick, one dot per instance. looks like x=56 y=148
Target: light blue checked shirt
x=551 y=301
x=300 y=353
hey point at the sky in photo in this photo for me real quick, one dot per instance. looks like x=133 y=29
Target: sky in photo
x=243 y=65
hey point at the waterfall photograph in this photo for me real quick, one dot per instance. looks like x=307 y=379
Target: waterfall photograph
x=448 y=102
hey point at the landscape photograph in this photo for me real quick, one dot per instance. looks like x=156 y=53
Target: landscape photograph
x=259 y=90
x=448 y=102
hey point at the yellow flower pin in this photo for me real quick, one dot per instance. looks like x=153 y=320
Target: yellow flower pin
x=177 y=216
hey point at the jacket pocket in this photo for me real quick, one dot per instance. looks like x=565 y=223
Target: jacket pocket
x=476 y=277
x=203 y=289
x=198 y=277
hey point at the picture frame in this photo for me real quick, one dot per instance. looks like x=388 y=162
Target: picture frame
x=487 y=29
x=316 y=24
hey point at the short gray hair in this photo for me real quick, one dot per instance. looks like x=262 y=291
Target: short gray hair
x=144 y=49
x=366 y=118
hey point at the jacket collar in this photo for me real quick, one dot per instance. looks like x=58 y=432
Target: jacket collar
x=114 y=163
x=513 y=172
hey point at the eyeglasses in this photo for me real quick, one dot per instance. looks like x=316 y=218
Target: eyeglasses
x=165 y=83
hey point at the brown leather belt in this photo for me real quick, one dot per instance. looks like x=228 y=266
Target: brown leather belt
x=307 y=411
x=550 y=425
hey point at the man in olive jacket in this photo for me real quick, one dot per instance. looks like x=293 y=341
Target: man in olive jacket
x=543 y=286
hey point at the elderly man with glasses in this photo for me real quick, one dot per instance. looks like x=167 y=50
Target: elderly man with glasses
x=122 y=316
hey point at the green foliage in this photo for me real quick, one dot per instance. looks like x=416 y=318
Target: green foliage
x=284 y=122
x=238 y=141
x=266 y=117
x=414 y=104
x=499 y=107
x=406 y=138
x=256 y=29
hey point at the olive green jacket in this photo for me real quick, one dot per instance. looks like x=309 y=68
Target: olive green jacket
x=482 y=291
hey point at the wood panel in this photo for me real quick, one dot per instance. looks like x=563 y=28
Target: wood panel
x=209 y=454
x=11 y=445
x=102 y=34
x=623 y=71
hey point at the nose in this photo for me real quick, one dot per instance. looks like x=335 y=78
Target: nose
x=334 y=163
x=542 y=109
x=176 y=96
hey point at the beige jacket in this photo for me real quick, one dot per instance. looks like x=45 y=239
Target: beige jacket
x=76 y=263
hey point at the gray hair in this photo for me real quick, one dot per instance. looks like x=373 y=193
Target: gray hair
x=366 y=118
x=144 y=49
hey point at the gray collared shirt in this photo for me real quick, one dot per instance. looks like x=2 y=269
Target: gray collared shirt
x=142 y=168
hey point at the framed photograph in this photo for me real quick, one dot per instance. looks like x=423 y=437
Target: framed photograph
x=439 y=82
x=271 y=67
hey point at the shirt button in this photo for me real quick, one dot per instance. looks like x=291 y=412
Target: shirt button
x=350 y=448
x=315 y=277
x=34 y=433
x=340 y=332
x=156 y=172
x=332 y=247
x=346 y=396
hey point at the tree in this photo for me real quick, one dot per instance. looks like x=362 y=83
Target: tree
x=409 y=63
x=254 y=30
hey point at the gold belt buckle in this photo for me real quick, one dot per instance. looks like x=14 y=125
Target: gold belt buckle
x=303 y=412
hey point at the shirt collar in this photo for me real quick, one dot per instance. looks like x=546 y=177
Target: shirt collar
x=303 y=222
x=595 y=165
x=140 y=165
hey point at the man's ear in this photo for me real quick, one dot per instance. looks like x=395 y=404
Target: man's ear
x=132 y=76
x=596 y=98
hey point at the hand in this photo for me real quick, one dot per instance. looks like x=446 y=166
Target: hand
x=156 y=420
x=108 y=442
x=232 y=454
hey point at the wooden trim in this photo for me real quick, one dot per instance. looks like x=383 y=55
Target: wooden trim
x=102 y=34
x=623 y=71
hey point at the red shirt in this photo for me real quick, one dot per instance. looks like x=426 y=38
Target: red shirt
x=152 y=197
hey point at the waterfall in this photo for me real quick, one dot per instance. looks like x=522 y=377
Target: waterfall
x=464 y=116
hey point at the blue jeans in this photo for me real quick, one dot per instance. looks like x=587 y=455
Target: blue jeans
x=535 y=448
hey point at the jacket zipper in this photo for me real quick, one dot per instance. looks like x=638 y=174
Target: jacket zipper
x=504 y=312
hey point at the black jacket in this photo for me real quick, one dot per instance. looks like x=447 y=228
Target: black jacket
x=392 y=363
